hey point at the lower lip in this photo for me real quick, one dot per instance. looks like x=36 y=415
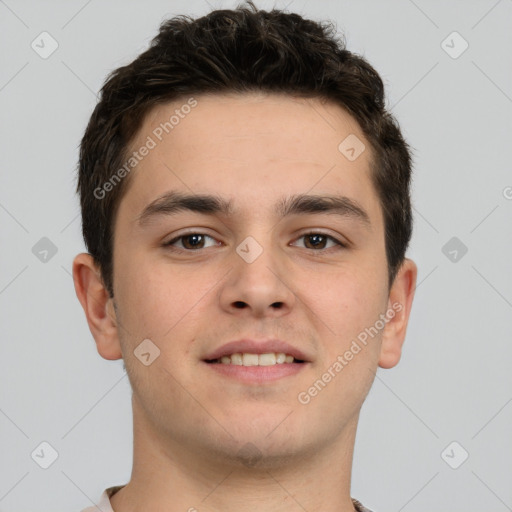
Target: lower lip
x=257 y=374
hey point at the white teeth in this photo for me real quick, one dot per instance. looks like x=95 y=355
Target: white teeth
x=235 y=359
x=280 y=358
x=250 y=359
x=247 y=359
x=267 y=359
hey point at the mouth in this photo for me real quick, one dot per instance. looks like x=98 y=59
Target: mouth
x=254 y=369
x=249 y=352
x=256 y=362
x=250 y=359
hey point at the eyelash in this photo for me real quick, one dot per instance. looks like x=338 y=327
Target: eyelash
x=168 y=245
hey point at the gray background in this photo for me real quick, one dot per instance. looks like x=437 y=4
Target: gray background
x=454 y=380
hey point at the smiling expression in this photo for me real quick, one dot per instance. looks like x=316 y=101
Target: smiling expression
x=247 y=222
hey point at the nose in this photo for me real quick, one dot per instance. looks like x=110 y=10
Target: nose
x=257 y=287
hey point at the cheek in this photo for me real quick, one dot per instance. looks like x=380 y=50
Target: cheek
x=350 y=290
x=350 y=309
x=156 y=297
x=346 y=302
x=140 y=290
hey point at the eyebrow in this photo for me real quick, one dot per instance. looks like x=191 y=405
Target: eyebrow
x=174 y=202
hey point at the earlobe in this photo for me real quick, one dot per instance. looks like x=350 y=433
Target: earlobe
x=399 y=307
x=97 y=305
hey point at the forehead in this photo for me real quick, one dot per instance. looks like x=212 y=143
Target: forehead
x=252 y=120
x=253 y=146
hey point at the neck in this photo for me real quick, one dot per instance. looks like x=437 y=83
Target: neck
x=171 y=477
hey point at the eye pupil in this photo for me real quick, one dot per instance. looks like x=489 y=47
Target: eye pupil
x=198 y=239
x=316 y=240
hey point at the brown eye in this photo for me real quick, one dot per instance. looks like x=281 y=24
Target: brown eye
x=191 y=241
x=319 y=241
x=315 y=241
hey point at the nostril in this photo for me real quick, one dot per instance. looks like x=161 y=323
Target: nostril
x=239 y=304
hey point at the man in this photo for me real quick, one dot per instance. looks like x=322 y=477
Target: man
x=245 y=204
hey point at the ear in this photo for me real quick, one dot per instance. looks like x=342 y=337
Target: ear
x=399 y=302
x=98 y=306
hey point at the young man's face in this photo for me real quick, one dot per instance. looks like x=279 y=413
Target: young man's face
x=253 y=274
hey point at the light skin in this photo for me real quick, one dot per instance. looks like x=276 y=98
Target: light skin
x=191 y=423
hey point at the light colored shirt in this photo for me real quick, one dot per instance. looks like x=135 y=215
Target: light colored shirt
x=104 y=504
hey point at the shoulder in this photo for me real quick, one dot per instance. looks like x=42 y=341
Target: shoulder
x=359 y=506
x=104 y=501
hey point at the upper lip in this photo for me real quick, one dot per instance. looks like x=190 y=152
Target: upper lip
x=249 y=346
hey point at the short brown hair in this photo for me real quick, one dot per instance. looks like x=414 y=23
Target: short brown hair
x=240 y=50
